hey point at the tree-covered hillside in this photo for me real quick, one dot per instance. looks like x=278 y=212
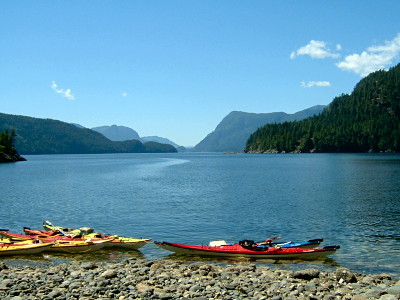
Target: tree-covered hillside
x=45 y=136
x=8 y=153
x=233 y=131
x=118 y=133
x=367 y=120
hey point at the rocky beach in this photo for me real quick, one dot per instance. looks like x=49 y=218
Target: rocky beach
x=138 y=278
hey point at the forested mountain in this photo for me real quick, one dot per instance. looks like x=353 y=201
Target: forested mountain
x=46 y=136
x=159 y=140
x=367 y=120
x=118 y=133
x=233 y=131
x=8 y=153
x=122 y=133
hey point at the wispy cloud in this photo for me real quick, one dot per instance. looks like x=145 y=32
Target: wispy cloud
x=314 y=84
x=65 y=93
x=373 y=59
x=124 y=94
x=316 y=49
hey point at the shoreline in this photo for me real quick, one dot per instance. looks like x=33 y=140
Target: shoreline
x=138 y=278
x=9 y=158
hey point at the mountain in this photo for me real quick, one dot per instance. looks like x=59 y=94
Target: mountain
x=367 y=120
x=118 y=133
x=78 y=125
x=46 y=136
x=232 y=133
x=8 y=153
x=121 y=133
x=158 y=140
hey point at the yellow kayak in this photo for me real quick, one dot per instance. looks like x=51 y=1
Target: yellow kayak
x=22 y=248
x=87 y=232
x=79 y=246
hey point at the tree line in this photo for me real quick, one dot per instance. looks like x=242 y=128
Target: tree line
x=8 y=153
x=7 y=142
x=367 y=120
x=46 y=136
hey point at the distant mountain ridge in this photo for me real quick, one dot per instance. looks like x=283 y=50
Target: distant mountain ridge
x=118 y=133
x=46 y=136
x=122 y=133
x=233 y=131
x=159 y=140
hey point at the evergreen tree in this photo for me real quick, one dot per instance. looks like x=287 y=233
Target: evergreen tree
x=367 y=120
x=7 y=142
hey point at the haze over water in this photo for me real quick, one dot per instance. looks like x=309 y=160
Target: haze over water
x=351 y=200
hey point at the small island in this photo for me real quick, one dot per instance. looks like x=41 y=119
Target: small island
x=8 y=153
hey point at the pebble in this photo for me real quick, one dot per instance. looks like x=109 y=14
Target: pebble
x=137 y=278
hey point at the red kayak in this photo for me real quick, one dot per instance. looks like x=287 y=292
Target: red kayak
x=236 y=250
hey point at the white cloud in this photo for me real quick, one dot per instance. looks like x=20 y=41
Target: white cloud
x=65 y=93
x=314 y=83
x=373 y=59
x=124 y=94
x=315 y=49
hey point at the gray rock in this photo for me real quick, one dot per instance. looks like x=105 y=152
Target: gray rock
x=144 y=270
x=165 y=296
x=359 y=297
x=373 y=294
x=75 y=274
x=167 y=279
x=230 y=287
x=55 y=293
x=310 y=287
x=307 y=274
x=381 y=277
x=345 y=275
x=112 y=273
x=395 y=290
x=75 y=285
x=143 y=288
x=5 y=284
x=367 y=280
x=195 y=288
x=89 y=266
x=388 y=297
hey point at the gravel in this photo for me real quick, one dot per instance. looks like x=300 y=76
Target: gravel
x=137 y=278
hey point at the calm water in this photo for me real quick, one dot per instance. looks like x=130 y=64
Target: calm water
x=352 y=200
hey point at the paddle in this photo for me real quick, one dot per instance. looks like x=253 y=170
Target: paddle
x=269 y=241
x=316 y=241
x=62 y=232
x=48 y=223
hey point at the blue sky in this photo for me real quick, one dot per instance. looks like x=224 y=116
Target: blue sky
x=176 y=68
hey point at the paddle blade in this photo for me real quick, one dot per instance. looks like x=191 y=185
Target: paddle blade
x=275 y=238
x=48 y=223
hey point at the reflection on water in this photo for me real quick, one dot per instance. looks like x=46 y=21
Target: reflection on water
x=46 y=259
x=192 y=258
